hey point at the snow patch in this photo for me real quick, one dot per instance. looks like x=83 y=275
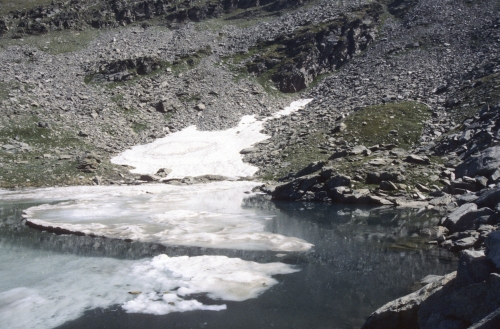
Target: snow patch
x=190 y=152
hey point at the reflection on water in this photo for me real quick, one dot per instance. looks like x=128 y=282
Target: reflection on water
x=362 y=257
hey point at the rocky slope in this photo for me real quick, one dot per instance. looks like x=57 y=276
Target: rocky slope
x=405 y=110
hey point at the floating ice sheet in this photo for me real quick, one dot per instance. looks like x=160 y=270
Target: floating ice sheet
x=193 y=153
x=203 y=215
x=53 y=288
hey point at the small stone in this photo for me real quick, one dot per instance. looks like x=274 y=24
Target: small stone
x=200 y=107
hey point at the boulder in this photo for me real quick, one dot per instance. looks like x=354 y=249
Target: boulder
x=88 y=163
x=473 y=267
x=387 y=186
x=359 y=149
x=457 y=306
x=463 y=243
x=453 y=218
x=492 y=244
x=295 y=189
x=338 y=180
x=403 y=312
x=484 y=164
x=413 y=158
x=471 y=220
x=163 y=172
x=489 y=198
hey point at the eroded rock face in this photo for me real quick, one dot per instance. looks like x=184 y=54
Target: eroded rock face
x=310 y=52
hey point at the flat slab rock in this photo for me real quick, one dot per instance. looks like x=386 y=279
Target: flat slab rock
x=403 y=312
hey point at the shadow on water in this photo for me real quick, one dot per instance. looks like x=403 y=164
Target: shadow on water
x=362 y=258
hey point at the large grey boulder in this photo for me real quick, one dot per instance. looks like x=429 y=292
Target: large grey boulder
x=473 y=267
x=471 y=220
x=454 y=216
x=295 y=189
x=458 y=307
x=492 y=244
x=489 y=198
x=485 y=164
x=403 y=312
x=338 y=180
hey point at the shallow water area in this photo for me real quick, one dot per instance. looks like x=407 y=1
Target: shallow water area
x=357 y=259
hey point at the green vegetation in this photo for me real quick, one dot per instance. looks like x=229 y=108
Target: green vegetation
x=55 y=42
x=138 y=127
x=10 y=5
x=46 y=156
x=393 y=123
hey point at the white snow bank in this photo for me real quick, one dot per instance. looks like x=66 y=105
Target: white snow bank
x=204 y=215
x=54 y=288
x=193 y=153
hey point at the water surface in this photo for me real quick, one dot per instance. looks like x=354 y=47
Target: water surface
x=362 y=257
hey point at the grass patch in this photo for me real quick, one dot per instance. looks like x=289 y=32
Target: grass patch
x=394 y=123
x=36 y=162
x=298 y=155
x=137 y=127
x=9 y=5
x=40 y=155
x=55 y=42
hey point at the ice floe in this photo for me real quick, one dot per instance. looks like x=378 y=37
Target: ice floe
x=66 y=286
x=203 y=215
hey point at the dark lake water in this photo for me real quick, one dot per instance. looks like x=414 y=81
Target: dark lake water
x=362 y=258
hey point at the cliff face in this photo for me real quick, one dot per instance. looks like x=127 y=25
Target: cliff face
x=113 y=13
x=294 y=61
